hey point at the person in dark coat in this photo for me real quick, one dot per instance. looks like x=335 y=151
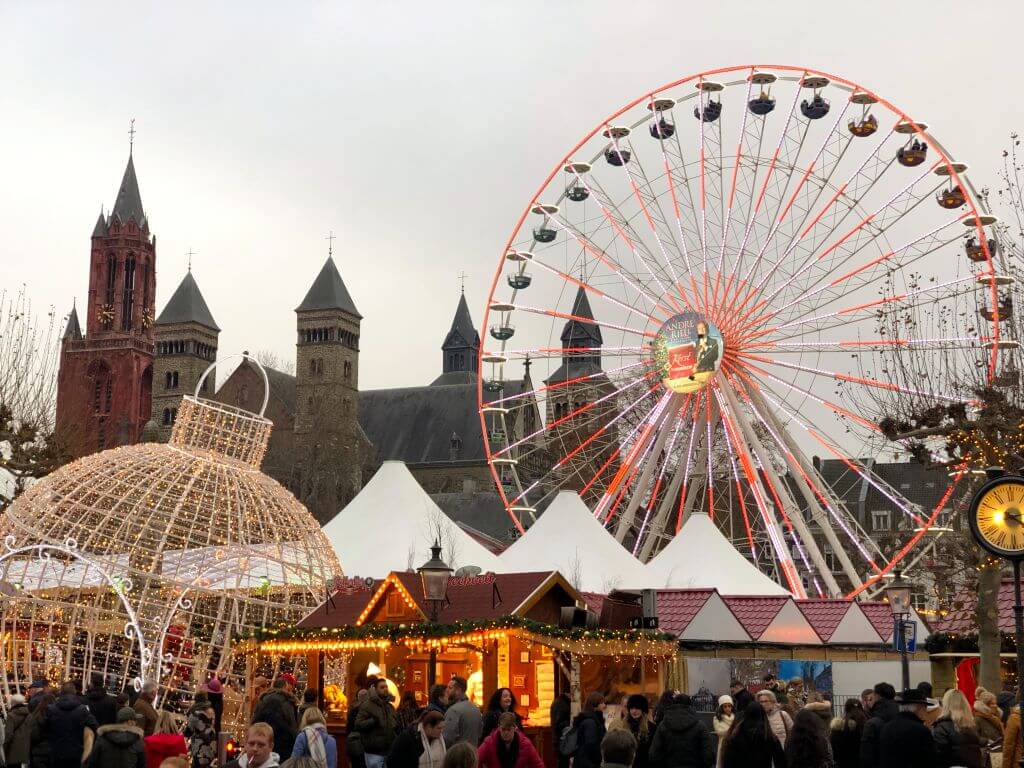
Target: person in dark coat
x=751 y=743
x=847 y=732
x=883 y=710
x=905 y=741
x=438 y=699
x=119 y=745
x=741 y=696
x=102 y=705
x=807 y=745
x=590 y=731
x=278 y=710
x=17 y=733
x=215 y=693
x=39 y=745
x=376 y=723
x=411 y=743
x=618 y=749
x=70 y=729
x=503 y=700
x=355 y=755
x=682 y=740
x=561 y=718
x=408 y=712
x=955 y=731
x=641 y=726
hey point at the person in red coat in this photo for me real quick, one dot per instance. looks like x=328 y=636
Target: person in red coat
x=507 y=747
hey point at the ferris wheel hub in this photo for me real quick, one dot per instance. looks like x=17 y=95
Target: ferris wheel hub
x=688 y=352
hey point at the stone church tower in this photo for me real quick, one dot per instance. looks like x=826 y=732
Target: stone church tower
x=330 y=446
x=186 y=345
x=460 y=349
x=104 y=387
x=581 y=381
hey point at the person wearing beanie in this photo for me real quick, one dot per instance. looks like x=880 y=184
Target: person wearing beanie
x=638 y=719
x=119 y=744
x=682 y=740
x=724 y=717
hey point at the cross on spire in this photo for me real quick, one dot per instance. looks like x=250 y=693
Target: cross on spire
x=131 y=136
x=330 y=243
x=462 y=280
x=190 y=254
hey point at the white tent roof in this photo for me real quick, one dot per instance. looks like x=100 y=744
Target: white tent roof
x=569 y=539
x=390 y=525
x=699 y=556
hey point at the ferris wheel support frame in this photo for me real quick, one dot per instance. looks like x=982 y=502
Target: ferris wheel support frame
x=800 y=470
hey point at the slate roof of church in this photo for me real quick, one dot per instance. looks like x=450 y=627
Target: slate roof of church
x=187 y=305
x=462 y=333
x=129 y=201
x=328 y=291
x=73 y=330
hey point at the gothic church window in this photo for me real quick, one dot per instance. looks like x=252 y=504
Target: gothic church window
x=128 y=295
x=167 y=416
x=348 y=370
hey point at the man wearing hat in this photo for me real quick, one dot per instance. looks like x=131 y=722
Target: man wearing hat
x=120 y=745
x=905 y=741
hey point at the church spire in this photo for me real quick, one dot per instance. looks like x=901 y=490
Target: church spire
x=328 y=291
x=73 y=330
x=187 y=305
x=129 y=201
x=460 y=349
x=100 y=230
x=578 y=333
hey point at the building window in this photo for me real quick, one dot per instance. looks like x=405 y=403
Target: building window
x=881 y=520
x=348 y=370
x=174 y=415
x=111 y=282
x=167 y=417
x=128 y=297
x=101 y=435
x=171 y=380
x=316 y=366
x=109 y=395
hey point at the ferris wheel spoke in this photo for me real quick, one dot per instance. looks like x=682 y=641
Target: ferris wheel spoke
x=577 y=318
x=740 y=491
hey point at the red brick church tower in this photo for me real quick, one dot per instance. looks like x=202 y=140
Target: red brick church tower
x=104 y=389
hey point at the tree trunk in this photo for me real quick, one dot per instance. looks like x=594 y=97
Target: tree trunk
x=989 y=636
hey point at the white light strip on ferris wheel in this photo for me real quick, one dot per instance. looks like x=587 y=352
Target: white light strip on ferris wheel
x=778 y=223
x=767 y=178
x=968 y=341
x=650 y=419
x=781 y=552
x=735 y=172
x=562 y=385
x=650 y=220
x=739 y=491
x=546 y=427
x=863 y=473
x=657 y=485
x=603 y=257
x=898 y=251
x=587 y=286
x=813 y=256
x=782 y=445
x=577 y=319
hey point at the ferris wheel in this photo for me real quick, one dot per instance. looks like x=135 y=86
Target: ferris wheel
x=711 y=289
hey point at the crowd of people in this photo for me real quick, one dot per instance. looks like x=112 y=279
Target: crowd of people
x=778 y=726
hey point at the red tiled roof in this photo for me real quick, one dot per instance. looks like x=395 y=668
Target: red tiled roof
x=824 y=615
x=678 y=607
x=755 y=613
x=880 y=616
x=343 y=607
x=963 y=620
x=487 y=597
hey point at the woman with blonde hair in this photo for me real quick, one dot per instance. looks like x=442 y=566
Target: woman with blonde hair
x=956 y=733
x=987 y=718
x=778 y=719
x=314 y=741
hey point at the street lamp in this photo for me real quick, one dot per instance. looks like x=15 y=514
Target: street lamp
x=898 y=594
x=434 y=573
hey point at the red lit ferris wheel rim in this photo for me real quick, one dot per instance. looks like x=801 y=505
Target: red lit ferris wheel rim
x=953 y=170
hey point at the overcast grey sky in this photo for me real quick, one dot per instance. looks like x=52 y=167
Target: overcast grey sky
x=415 y=131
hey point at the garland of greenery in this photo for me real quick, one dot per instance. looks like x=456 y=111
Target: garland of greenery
x=431 y=631
x=952 y=642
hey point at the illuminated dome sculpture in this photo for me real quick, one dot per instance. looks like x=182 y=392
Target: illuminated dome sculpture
x=146 y=562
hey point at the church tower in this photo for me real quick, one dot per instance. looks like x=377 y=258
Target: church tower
x=186 y=345
x=330 y=446
x=571 y=406
x=460 y=349
x=104 y=387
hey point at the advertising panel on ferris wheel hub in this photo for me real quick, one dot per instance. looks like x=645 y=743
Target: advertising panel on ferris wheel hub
x=688 y=352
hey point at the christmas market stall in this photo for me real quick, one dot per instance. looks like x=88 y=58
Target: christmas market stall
x=530 y=632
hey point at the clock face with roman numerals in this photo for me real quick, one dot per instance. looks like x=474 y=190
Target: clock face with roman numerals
x=997 y=517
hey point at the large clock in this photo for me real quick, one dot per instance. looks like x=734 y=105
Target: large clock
x=997 y=516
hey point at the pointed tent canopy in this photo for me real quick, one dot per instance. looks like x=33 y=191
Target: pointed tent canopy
x=73 y=330
x=390 y=525
x=462 y=332
x=187 y=305
x=328 y=292
x=699 y=556
x=569 y=539
x=129 y=202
